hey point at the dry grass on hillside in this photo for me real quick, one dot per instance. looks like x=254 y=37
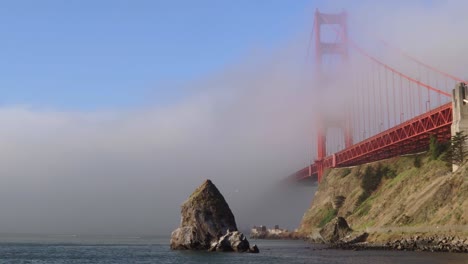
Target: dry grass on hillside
x=401 y=195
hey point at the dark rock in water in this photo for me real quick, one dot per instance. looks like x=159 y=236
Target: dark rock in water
x=254 y=249
x=205 y=217
x=207 y=223
x=231 y=241
x=335 y=230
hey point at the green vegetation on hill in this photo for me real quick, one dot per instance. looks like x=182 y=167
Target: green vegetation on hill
x=416 y=191
x=371 y=179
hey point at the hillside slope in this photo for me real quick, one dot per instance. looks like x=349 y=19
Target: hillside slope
x=411 y=194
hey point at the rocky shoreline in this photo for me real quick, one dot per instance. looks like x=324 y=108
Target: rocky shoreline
x=338 y=235
x=417 y=243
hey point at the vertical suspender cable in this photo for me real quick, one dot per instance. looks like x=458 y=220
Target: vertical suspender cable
x=381 y=107
x=386 y=97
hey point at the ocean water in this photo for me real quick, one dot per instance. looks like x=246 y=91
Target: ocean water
x=75 y=249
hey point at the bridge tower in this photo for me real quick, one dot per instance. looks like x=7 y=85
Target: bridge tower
x=322 y=48
x=460 y=111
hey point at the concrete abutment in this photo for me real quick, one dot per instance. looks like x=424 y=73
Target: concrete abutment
x=460 y=111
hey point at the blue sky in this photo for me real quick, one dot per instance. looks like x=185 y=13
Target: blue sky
x=86 y=55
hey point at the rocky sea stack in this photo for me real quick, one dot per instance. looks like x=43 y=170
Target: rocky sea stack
x=207 y=223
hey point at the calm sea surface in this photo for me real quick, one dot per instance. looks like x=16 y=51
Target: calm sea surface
x=74 y=249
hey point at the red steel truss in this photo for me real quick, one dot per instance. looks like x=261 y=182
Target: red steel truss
x=409 y=137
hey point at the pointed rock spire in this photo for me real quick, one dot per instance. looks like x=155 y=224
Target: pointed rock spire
x=207 y=223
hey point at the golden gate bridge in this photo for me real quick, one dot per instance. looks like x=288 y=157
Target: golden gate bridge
x=383 y=111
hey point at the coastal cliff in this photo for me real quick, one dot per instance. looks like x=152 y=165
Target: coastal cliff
x=395 y=199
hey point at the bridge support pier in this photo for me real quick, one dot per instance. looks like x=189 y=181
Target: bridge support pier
x=460 y=111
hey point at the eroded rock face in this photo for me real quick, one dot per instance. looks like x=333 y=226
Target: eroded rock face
x=232 y=241
x=207 y=223
x=335 y=230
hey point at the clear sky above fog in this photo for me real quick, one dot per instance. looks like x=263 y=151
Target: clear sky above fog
x=110 y=53
x=88 y=54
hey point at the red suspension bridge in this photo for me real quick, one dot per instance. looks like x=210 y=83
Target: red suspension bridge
x=384 y=110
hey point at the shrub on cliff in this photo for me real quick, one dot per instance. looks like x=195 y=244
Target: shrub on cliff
x=457 y=151
x=435 y=147
x=417 y=162
x=371 y=179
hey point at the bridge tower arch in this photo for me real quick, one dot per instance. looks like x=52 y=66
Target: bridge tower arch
x=322 y=48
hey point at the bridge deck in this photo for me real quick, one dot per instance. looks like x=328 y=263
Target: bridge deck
x=409 y=137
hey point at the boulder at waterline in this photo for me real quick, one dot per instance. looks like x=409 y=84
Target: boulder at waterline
x=335 y=230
